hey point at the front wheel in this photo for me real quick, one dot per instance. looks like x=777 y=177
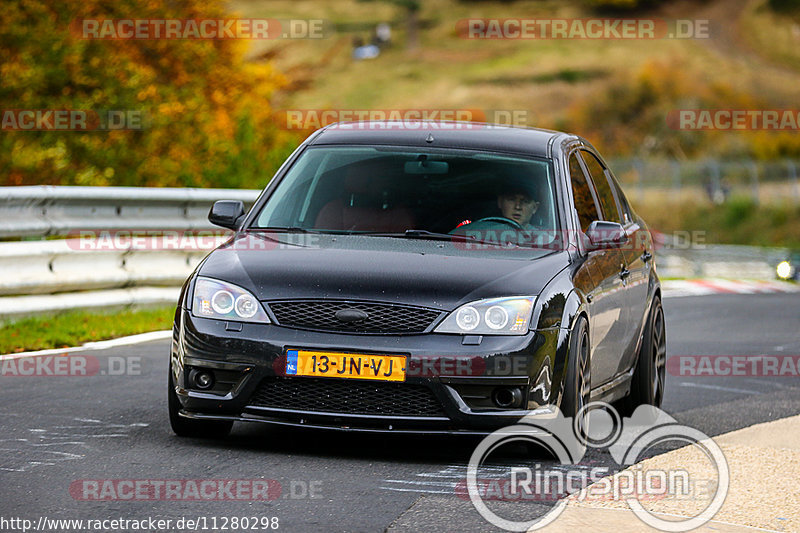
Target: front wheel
x=647 y=385
x=578 y=377
x=187 y=427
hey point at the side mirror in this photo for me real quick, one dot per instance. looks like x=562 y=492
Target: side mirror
x=226 y=213
x=604 y=234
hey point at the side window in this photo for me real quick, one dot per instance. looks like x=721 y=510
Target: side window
x=604 y=192
x=627 y=214
x=582 y=193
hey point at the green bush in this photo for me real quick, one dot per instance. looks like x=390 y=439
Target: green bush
x=785 y=6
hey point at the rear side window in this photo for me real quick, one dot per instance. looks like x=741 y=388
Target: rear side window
x=604 y=192
x=627 y=213
x=582 y=193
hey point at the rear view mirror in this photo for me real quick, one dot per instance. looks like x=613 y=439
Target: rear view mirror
x=605 y=234
x=226 y=213
x=426 y=167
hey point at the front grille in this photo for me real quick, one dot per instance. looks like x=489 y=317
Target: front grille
x=347 y=397
x=381 y=318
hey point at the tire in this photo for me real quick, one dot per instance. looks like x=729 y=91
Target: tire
x=187 y=427
x=647 y=385
x=578 y=377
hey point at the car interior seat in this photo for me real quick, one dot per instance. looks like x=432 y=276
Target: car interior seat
x=369 y=203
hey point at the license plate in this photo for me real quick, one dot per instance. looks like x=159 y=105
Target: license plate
x=345 y=365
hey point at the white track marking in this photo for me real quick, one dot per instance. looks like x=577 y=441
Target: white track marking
x=98 y=345
x=719 y=388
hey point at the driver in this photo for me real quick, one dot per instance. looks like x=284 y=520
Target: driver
x=518 y=205
x=516 y=200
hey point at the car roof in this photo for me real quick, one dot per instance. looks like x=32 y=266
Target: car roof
x=445 y=134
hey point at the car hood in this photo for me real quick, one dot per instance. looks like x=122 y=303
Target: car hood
x=415 y=272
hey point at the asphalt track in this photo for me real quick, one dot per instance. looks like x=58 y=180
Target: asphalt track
x=57 y=431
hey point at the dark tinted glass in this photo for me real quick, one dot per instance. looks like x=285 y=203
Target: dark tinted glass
x=582 y=193
x=604 y=192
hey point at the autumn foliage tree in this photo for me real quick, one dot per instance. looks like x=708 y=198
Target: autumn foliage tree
x=633 y=117
x=207 y=115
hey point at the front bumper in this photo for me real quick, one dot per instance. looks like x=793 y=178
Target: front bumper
x=452 y=375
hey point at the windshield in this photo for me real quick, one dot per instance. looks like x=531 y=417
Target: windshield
x=388 y=191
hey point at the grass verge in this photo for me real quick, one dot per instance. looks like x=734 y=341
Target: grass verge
x=738 y=221
x=73 y=328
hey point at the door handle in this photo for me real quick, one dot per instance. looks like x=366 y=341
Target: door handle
x=646 y=256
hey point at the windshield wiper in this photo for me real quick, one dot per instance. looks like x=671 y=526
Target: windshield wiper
x=290 y=229
x=434 y=236
x=411 y=233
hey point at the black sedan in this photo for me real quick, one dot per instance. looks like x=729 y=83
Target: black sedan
x=436 y=278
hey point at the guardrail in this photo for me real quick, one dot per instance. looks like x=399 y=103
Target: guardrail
x=719 y=261
x=54 y=274
x=45 y=210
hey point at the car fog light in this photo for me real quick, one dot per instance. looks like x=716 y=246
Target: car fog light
x=506 y=397
x=202 y=379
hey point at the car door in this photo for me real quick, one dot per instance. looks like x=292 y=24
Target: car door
x=631 y=268
x=605 y=300
x=638 y=254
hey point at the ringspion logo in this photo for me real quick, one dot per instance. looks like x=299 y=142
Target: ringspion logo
x=598 y=425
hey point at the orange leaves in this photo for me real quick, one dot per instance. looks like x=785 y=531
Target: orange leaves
x=207 y=111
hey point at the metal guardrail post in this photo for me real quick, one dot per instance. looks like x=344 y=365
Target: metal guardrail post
x=715 y=191
x=676 y=178
x=638 y=164
x=754 y=182
x=793 y=177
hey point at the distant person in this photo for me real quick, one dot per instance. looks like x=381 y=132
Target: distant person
x=383 y=35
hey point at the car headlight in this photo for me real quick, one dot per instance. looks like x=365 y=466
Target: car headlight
x=494 y=316
x=226 y=301
x=785 y=270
